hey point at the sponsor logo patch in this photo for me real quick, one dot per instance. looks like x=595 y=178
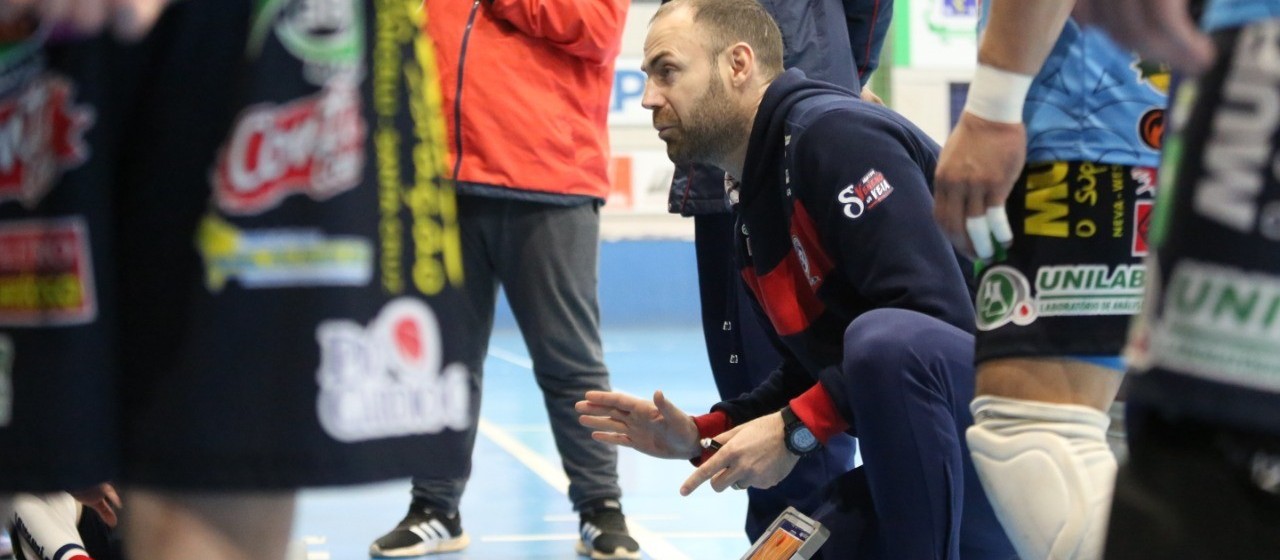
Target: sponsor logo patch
x=1141 y=226
x=1151 y=128
x=327 y=35
x=41 y=136
x=1006 y=296
x=869 y=192
x=312 y=146
x=386 y=380
x=279 y=258
x=46 y=277
x=1219 y=323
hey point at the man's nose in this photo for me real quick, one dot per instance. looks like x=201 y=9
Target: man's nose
x=651 y=99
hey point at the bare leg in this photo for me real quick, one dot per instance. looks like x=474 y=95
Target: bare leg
x=162 y=525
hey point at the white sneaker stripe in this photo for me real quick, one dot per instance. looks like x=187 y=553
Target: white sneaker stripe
x=440 y=529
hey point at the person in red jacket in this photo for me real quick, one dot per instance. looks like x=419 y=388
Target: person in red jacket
x=526 y=88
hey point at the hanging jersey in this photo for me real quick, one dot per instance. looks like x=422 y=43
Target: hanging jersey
x=1093 y=101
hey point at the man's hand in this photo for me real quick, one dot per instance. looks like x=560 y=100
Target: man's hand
x=655 y=428
x=128 y=19
x=102 y=499
x=1158 y=29
x=752 y=454
x=870 y=96
x=976 y=171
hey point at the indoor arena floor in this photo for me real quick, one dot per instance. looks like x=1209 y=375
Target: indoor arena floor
x=515 y=505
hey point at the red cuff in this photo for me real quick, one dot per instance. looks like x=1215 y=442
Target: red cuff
x=710 y=425
x=818 y=412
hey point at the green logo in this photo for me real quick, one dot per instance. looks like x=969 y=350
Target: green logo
x=328 y=35
x=1004 y=296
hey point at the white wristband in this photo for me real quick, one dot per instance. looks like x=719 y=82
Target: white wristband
x=997 y=95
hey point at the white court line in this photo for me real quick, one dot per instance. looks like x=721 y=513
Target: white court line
x=511 y=358
x=574 y=517
x=650 y=542
x=530 y=538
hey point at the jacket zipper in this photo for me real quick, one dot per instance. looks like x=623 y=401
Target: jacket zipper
x=457 y=97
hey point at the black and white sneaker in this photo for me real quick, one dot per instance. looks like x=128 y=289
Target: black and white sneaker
x=422 y=531
x=604 y=533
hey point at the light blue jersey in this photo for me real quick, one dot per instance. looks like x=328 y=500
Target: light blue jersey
x=1222 y=14
x=1095 y=102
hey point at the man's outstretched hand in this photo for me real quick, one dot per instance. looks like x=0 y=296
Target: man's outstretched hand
x=654 y=427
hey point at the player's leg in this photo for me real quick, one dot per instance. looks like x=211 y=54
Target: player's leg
x=1203 y=477
x=1052 y=318
x=900 y=394
x=549 y=268
x=433 y=523
x=162 y=525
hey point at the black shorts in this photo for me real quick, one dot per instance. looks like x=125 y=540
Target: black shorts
x=1193 y=491
x=263 y=258
x=1074 y=275
x=1207 y=346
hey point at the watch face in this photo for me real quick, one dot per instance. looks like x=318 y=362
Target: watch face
x=803 y=440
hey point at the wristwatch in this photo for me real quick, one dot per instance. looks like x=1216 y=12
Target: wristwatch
x=799 y=439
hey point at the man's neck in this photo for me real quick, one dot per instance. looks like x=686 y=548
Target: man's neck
x=736 y=159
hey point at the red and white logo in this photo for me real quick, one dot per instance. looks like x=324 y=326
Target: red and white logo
x=41 y=137
x=1141 y=226
x=312 y=146
x=46 y=277
x=389 y=379
x=1145 y=177
x=870 y=191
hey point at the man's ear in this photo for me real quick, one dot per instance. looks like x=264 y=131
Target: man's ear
x=742 y=64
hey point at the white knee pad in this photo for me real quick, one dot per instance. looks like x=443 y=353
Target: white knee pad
x=47 y=522
x=1048 y=472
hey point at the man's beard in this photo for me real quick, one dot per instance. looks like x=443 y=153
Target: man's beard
x=712 y=129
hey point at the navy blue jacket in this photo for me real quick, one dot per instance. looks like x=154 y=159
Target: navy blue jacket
x=835 y=41
x=836 y=219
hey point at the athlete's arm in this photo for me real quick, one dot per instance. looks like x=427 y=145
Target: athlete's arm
x=1158 y=29
x=983 y=156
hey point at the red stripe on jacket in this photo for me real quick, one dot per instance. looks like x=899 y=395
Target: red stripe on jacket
x=788 y=292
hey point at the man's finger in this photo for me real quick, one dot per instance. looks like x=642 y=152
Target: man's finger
x=726 y=479
x=614 y=438
x=998 y=221
x=980 y=236
x=704 y=473
x=105 y=512
x=113 y=497
x=613 y=399
x=604 y=423
x=667 y=409
x=586 y=407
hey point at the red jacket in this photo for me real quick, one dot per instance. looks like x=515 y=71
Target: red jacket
x=534 y=96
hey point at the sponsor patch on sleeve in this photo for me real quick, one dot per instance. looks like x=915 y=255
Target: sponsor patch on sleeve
x=46 y=274
x=41 y=136
x=859 y=198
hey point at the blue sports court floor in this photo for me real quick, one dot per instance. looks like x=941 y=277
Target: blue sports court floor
x=515 y=506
